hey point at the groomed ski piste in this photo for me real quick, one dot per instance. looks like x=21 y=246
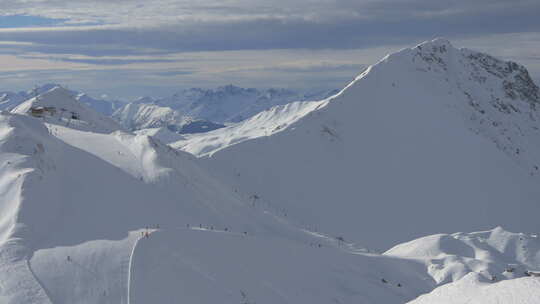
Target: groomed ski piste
x=91 y=213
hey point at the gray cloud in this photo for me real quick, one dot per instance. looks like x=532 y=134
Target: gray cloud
x=116 y=61
x=160 y=31
x=345 y=24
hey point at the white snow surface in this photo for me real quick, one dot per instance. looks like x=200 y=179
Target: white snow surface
x=202 y=266
x=430 y=139
x=493 y=254
x=474 y=290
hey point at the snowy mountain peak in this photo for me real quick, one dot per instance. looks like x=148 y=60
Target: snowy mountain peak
x=517 y=83
x=423 y=121
x=496 y=98
x=137 y=116
x=59 y=106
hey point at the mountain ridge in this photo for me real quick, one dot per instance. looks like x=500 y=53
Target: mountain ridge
x=403 y=124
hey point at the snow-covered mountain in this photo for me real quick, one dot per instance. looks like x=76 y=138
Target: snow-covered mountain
x=192 y=110
x=137 y=116
x=9 y=100
x=281 y=207
x=231 y=103
x=430 y=139
x=106 y=107
x=76 y=206
x=58 y=106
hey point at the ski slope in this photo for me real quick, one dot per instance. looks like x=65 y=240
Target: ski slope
x=209 y=266
x=69 y=190
x=203 y=266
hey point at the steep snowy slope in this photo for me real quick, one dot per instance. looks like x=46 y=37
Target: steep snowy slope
x=430 y=139
x=263 y=124
x=137 y=116
x=58 y=106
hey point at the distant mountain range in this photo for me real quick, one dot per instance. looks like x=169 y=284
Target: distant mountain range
x=192 y=110
x=231 y=103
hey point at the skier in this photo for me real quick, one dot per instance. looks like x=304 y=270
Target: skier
x=68 y=258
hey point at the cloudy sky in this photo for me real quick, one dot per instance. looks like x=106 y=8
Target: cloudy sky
x=129 y=48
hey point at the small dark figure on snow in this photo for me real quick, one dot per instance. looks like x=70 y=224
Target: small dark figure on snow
x=384 y=281
x=68 y=258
